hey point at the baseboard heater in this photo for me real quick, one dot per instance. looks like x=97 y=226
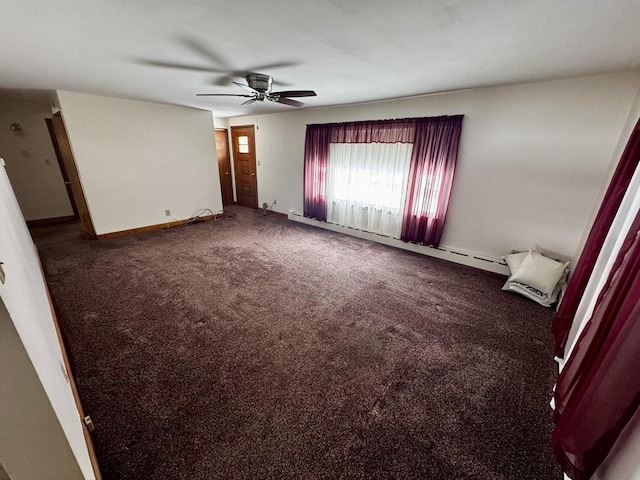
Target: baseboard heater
x=465 y=258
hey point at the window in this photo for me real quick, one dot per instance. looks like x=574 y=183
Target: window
x=383 y=176
x=366 y=185
x=243 y=144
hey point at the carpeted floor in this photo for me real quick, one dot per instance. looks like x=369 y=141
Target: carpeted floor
x=256 y=347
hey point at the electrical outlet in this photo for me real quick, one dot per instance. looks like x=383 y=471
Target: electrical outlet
x=167 y=213
x=274 y=201
x=64 y=371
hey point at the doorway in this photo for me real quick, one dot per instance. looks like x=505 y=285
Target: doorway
x=244 y=161
x=224 y=165
x=63 y=170
x=72 y=179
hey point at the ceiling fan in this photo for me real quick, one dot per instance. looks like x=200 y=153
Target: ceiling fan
x=259 y=89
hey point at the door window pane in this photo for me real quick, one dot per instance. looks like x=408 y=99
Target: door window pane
x=243 y=144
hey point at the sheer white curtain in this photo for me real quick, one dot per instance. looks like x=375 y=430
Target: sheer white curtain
x=367 y=184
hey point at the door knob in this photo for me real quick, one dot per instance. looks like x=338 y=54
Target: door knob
x=68 y=183
x=227 y=173
x=253 y=174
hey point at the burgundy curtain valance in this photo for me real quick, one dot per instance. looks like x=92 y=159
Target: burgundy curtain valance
x=399 y=130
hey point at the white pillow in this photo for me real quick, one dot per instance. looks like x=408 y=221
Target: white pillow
x=529 y=292
x=514 y=260
x=539 y=272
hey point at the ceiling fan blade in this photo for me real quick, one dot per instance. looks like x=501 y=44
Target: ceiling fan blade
x=206 y=52
x=286 y=101
x=222 y=81
x=295 y=93
x=245 y=87
x=181 y=66
x=251 y=100
x=222 y=95
x=274 y=65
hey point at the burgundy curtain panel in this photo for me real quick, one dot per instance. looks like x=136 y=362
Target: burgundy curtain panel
x=433 y=163
x=316 y=163
x=607 y=212
x=598 y=391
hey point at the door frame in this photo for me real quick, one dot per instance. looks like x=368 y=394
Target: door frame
x=64 y=145
x=231 y=174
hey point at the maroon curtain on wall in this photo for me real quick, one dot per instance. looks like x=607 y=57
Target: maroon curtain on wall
x=433 y=162
x=598 y=391
x=608 y=209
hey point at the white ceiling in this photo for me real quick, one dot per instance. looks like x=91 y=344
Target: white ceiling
x=348 y=51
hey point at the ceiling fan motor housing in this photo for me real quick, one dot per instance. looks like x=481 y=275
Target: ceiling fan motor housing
x=259 y=82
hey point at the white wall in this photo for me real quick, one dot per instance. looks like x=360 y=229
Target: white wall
x=221 y=122
x=31 y=160
x=532 y=157
x=24 y=296
x=138 y=159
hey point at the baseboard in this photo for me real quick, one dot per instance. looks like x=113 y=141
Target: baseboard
x=43 y=222
x=453 y=255
x=277 y=214
x=152 y=228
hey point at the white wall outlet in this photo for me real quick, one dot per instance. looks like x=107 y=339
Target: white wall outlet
x=167 y=213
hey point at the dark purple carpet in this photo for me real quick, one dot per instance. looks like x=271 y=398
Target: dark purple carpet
x=260 y=348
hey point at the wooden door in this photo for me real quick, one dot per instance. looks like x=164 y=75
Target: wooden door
x=244 y=161
x=224 y=165
x=72 y=172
